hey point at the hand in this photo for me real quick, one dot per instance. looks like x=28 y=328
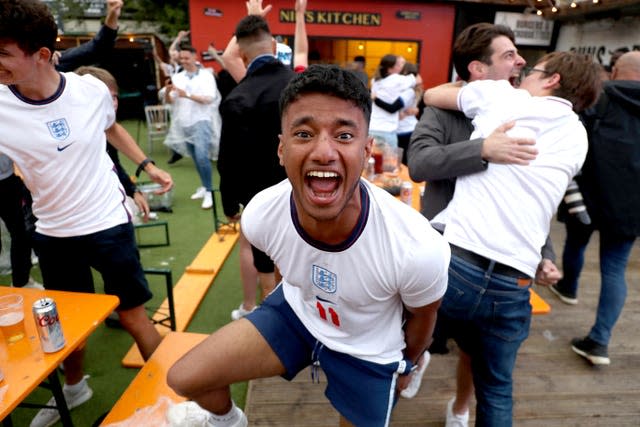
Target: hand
x=182 y=34
x=254 y=7
x=498 y=147
x=142 y=205
x=547 y=273
x=301 y=6
x=114 y=8
x=403 y=381
x=55 y=57
x=159 y=176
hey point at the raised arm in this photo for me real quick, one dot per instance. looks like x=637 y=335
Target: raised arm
x=114 y=8
x=301 y=42
x=98 y=47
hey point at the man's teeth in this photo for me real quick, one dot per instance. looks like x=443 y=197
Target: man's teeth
x=322 y=174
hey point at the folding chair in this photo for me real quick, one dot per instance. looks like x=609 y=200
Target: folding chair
x=158 y=120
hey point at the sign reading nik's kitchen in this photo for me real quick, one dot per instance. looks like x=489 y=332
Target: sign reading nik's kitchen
x=366 y=19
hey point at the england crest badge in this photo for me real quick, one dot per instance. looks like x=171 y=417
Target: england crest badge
x=59 y=129
x=324 y=279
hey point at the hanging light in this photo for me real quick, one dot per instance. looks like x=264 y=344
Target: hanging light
x=409 y=49
x=131 y=39
x=554 y=9
x=574 y=4
x=360 y=46
x=539 y=12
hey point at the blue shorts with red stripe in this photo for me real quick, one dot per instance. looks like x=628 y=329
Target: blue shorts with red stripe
x=363 y=392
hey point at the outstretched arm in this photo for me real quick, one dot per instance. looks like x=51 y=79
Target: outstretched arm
x=444 y=96
x=120 y=138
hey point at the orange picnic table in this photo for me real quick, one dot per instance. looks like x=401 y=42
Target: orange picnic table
x=26 y=366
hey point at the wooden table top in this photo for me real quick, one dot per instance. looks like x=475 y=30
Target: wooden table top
x=23 y=363
x=151 y=382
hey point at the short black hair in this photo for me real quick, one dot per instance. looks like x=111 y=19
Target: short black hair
x=188 y=47
x=28 y=23
x=328 y=80
x=359 y=58
x=252 y=28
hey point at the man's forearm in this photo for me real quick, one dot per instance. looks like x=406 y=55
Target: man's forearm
x=418 y=330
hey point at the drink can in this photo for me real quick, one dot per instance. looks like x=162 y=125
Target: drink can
x=406 y=192
x=48 y=324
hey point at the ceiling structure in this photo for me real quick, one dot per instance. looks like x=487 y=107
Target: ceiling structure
x=567 y=9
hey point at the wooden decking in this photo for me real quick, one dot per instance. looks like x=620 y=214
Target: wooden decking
x=553 y=386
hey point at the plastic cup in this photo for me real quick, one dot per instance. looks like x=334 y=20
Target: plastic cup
x=12 y=317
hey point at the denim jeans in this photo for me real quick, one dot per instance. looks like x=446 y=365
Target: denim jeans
x=489 y=317
x=614 y=256
x=199 y=140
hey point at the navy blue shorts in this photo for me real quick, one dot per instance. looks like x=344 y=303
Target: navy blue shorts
x=363 y=392
x=66 y=264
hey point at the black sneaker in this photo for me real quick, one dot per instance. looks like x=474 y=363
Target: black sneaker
x=595 y=353
x=563 y=296
x=174 y=157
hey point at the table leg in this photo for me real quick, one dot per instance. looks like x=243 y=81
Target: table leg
x=56 y=389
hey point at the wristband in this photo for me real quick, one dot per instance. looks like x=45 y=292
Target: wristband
x=143 y=164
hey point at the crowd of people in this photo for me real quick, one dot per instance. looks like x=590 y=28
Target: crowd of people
x=351 y=281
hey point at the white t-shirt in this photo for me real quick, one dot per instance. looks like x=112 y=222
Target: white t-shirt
x=388 y=90
x=187 y=112
x=350 y=296
x=504 y=213
x=59 y=145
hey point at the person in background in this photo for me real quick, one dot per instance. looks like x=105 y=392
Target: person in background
x=407 y=105
x=331 y=307
x=15 y=197
x=609 y=185
x=358 y=67
x=498 y=220
x=194 y=95
x=54 y=126
x=387 y=85
x=255 y=99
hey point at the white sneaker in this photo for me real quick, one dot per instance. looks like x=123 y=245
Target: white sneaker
x=455 y=420
x=240 y=312
x=48 y=416
x=33 y=284
x=416 y=377
x=199 y=194
x=190 y=414
x=207 y=201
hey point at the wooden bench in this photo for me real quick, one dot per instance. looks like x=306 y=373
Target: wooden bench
x=151 y=382
x=190 y=288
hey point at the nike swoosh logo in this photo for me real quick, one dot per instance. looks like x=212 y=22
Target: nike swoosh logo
x=64 y=147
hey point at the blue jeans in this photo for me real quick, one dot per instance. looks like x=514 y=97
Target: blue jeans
x=614 y=256
x=489 y=316
x=199 y=140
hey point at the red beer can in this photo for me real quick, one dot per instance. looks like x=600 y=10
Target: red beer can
x=406 y=192
x=48 y=324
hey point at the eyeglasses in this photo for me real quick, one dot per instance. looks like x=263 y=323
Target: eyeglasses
x=528 y=70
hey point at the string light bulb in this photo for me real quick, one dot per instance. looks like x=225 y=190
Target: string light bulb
x=574 y=4
x=539 y=12
x=554 y=9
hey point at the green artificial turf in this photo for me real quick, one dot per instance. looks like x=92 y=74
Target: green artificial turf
x=189 y=227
